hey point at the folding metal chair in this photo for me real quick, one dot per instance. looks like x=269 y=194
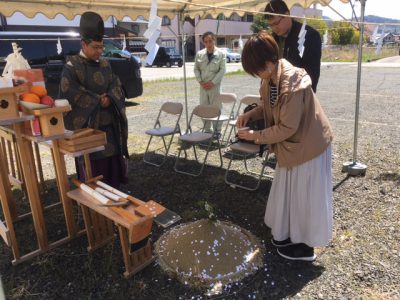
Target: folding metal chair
x=167 y=124
x=228 y=101
x=244 y=151
x=246 y=100
x=195 y=136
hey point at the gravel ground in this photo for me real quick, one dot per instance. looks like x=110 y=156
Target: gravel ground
x=362 y=261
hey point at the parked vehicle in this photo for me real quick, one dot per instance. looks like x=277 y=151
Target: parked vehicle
x=114 y=49
x=167 y=56
x=40 y=50
x=231 y=56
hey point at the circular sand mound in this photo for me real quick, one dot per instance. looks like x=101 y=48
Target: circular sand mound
x=204 y=252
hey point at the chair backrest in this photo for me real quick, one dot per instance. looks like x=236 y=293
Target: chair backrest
x=164 y=117
x=206 y=111
x=173 y=108
x=247 y=100
x=228 y=101
x=226 y=97
x=250 y=99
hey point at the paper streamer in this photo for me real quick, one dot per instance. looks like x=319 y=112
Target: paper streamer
x=380 y=42
x=152 y=33
x=152 y=54
x=124 y=43
x=325 y=39
x=302 y=38
x=59 y=47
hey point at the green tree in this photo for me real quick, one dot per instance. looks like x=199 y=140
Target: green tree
x=342 y=33
x=356 y=38
x=259 y=23
x=319 y=25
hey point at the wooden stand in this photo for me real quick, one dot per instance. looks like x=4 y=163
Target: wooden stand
x=7 y=231
x=8 y=102
x=51 y=119
x=99 y=232
x=137 y=260
x=24 y=144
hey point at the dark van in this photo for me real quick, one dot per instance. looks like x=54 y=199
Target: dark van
x=40 y=50
x=167 y=56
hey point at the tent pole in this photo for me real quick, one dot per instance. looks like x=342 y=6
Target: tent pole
x=181 y=19
x=354 y=168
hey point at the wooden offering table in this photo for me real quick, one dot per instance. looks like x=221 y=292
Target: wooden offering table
x=25 y=142
x=99 y=233
x=53 y=127
x=7 y=230
x=29 y=172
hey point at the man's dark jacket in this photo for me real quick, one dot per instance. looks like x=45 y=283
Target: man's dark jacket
x=311 y=60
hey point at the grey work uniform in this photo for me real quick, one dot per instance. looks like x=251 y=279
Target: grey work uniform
x=212 y=69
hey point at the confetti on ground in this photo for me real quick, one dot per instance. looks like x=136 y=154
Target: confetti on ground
x=192 y=254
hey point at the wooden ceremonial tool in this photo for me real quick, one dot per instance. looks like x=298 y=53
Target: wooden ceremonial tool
x=116 y=201
x=162 y=216
x=139 y=227
x=105 y=201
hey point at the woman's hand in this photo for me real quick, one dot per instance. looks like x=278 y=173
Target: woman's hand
x=247 y=135
x=242 y=120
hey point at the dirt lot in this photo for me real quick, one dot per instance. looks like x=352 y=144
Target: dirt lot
x=362 y=261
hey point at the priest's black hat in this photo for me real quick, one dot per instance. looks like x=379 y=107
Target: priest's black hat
x=91 y=26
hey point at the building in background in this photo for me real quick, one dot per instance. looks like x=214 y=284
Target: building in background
x=229 y=30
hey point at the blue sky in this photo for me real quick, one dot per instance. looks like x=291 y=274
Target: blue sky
x=382 y=8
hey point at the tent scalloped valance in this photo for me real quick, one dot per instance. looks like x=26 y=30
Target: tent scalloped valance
x=136 y=8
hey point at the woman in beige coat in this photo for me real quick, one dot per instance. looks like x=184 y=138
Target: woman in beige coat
x=299 y=208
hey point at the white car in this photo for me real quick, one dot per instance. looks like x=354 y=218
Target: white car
x=230 y=55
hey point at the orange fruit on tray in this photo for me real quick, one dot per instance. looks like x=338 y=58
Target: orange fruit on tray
x=39 y=91
x=29 y=97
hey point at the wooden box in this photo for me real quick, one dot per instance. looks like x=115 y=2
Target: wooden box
x=8 y=102
x=51 y=119
x=83 y=139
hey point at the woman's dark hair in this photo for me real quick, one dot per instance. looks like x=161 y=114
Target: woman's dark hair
x=206 y=34
x=276 y=7
x=258 y=50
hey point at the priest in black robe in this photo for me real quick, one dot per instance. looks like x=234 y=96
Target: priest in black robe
x=97 y=101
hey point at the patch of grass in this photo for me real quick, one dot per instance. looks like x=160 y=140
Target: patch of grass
x=350 y=54
x=374 y=295
x=347 y=235
x=238 y=72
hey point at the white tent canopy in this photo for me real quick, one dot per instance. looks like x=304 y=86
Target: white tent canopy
x=135 y=8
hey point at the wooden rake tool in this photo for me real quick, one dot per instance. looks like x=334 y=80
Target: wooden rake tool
x=162 y=216
x=139 y=226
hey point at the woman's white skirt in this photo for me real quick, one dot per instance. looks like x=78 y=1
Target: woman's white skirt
x=300 y=202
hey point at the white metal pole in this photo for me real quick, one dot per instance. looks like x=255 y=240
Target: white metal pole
x=183 y=39
x=354 y=168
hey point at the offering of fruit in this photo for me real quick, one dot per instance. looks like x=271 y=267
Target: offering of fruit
x=39 y=90
x=47 y=100
x=29 y=97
